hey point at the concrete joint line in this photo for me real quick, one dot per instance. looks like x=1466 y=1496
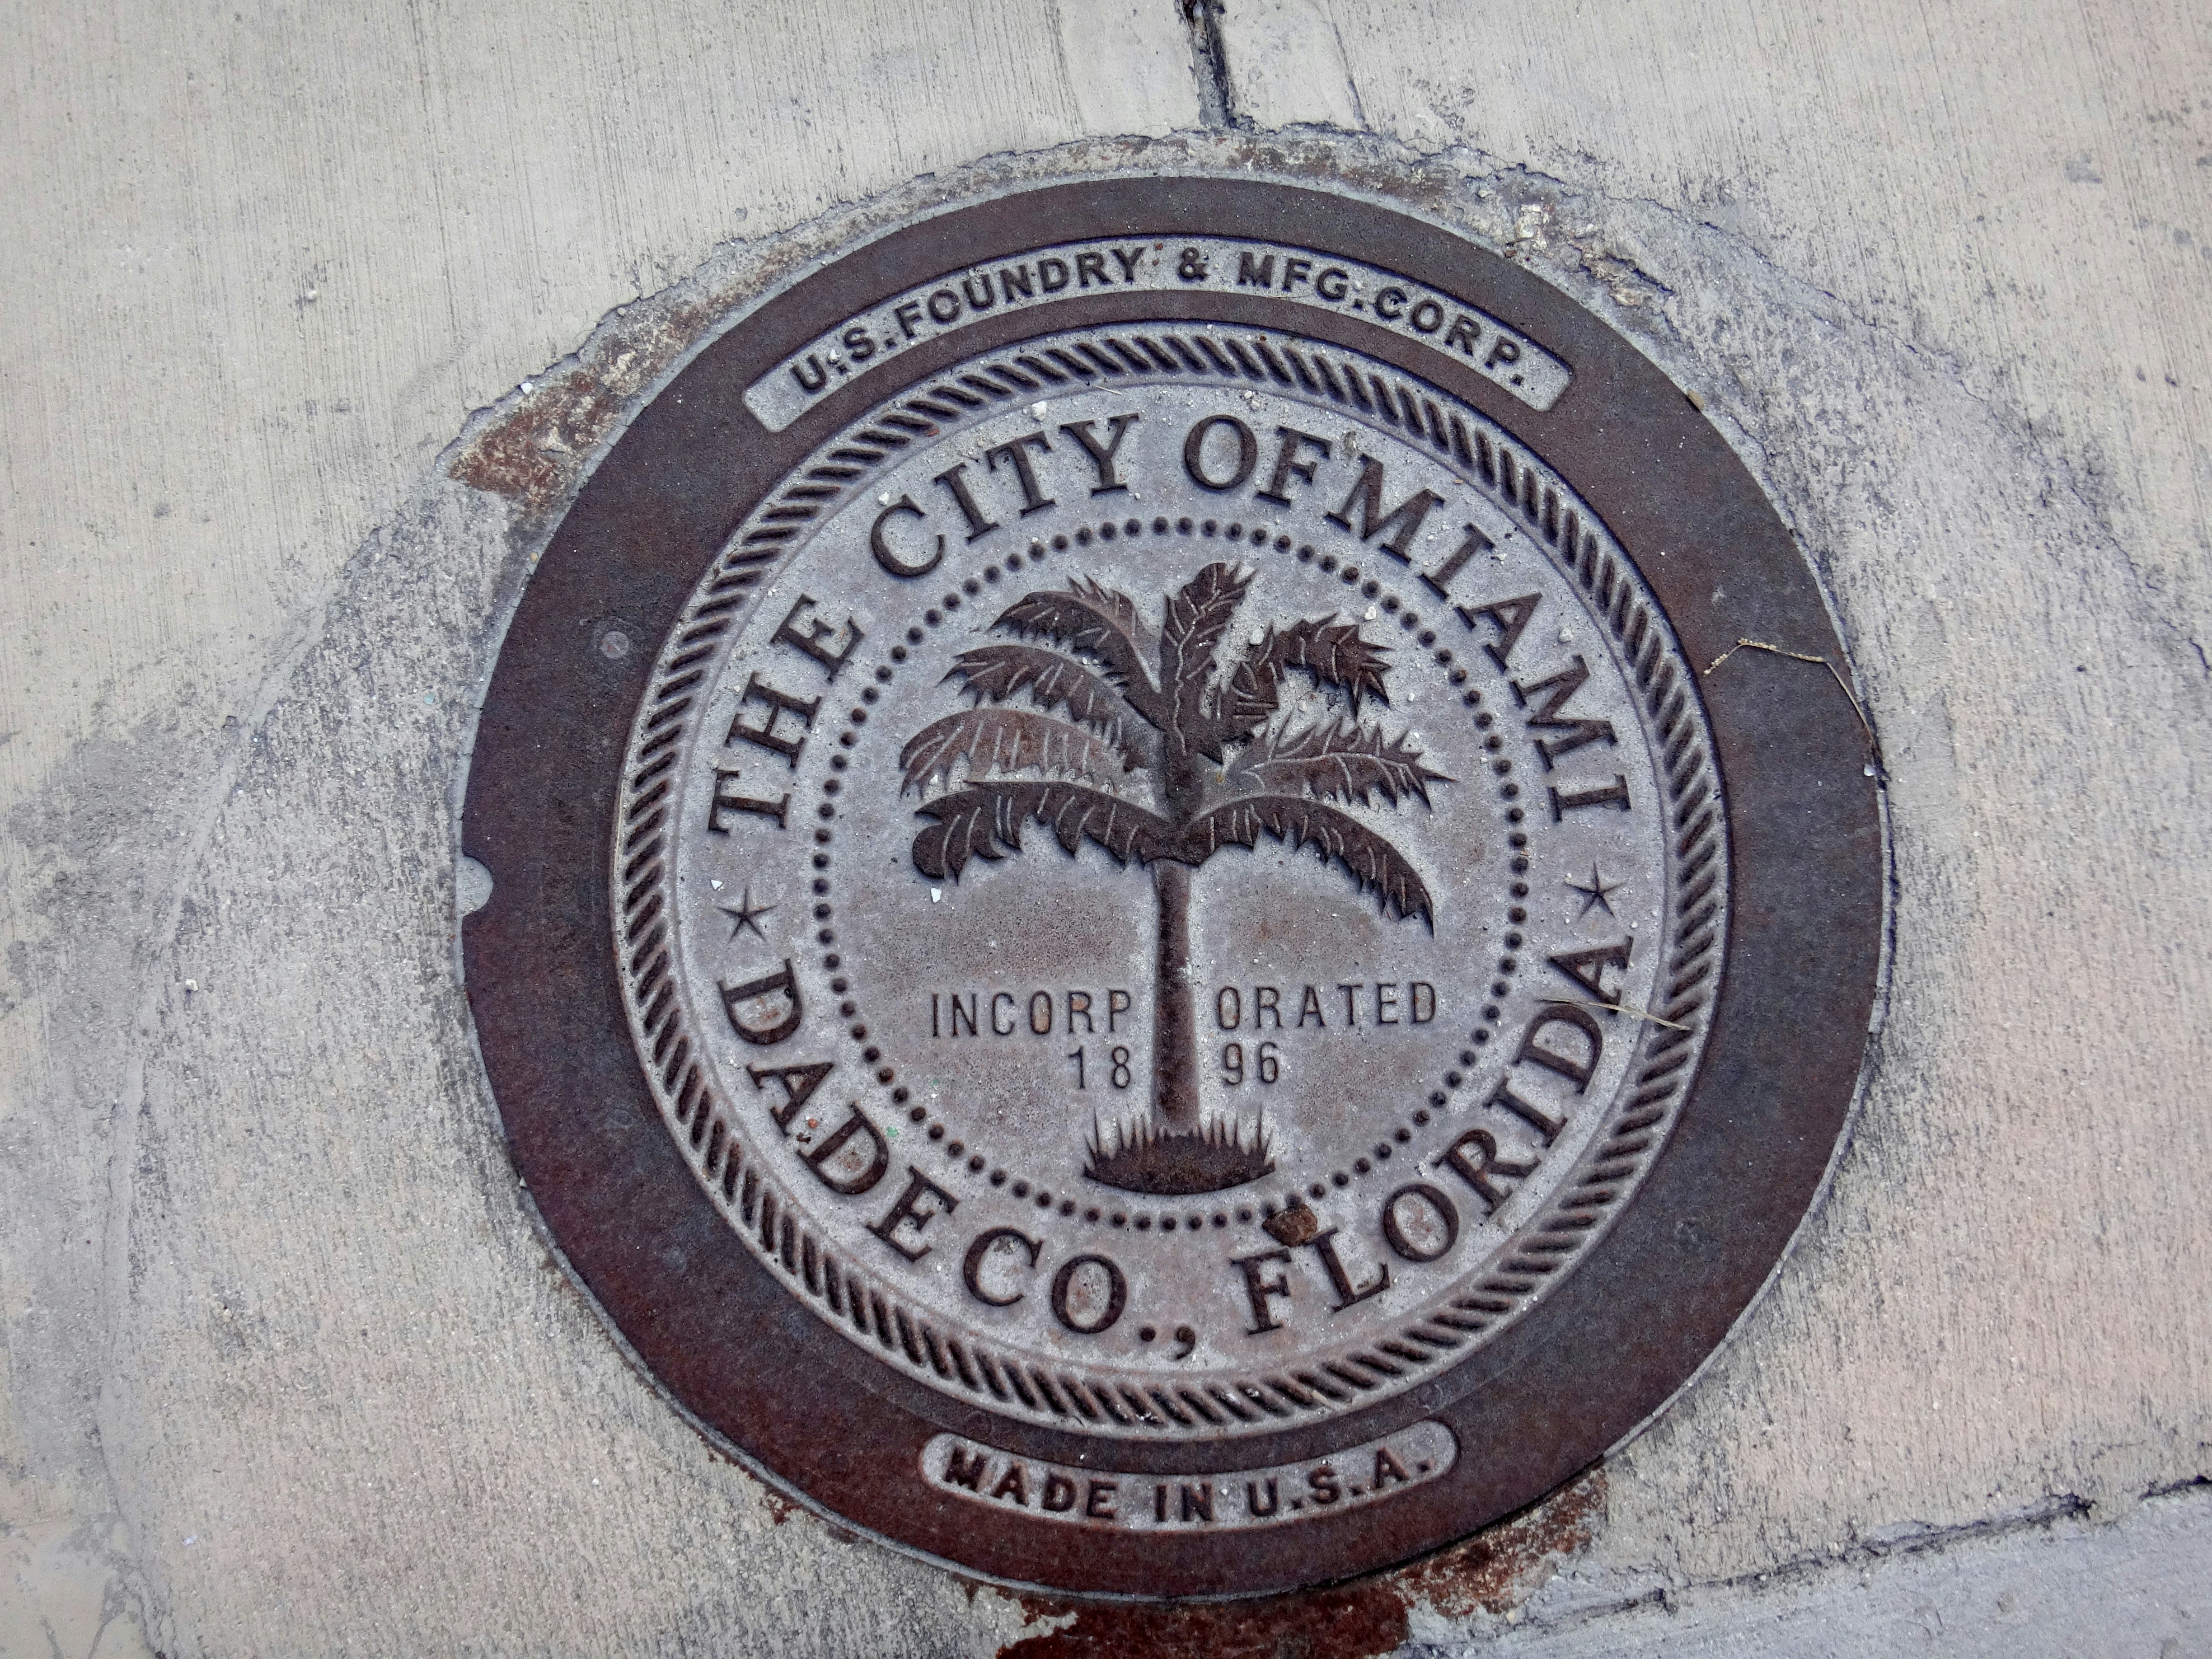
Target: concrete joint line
x=1209 y=64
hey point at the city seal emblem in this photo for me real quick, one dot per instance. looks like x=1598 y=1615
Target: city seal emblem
x=1168 y=970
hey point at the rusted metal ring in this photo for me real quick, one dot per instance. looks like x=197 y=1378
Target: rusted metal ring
x=1606 y=1347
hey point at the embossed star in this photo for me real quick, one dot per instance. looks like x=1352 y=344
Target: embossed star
x=1596 y=894
x=744 y=915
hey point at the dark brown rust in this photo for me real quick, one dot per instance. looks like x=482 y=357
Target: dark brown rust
x=840 y=1430
x=1494 y=1572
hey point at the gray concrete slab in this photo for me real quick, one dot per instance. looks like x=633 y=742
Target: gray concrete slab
x=2009 y=1589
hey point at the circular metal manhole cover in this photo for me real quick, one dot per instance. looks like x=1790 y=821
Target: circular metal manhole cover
x=1126 y=944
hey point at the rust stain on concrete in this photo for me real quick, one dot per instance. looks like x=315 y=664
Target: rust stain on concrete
x=1498 y=1570
x=1495 y=1571
x=534 y=455
x=1360 y=1621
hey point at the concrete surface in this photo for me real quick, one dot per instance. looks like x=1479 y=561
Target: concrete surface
x=2008 y=1589
x=289 y=1368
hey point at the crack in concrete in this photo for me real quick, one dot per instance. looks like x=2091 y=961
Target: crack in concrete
x=1563 y=1608
x=1209 y=61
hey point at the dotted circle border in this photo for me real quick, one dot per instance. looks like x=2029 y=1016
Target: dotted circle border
x=1542 y=1249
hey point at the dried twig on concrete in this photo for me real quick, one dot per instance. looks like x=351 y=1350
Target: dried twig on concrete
x=1842 y=684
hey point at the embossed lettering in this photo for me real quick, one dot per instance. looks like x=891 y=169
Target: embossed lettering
x=1102 y=455
x=1576 y=1072
x=1288 y=466
x=962 y=1470
x=908 y=1213
x=851 y=1183
x=1065 y=1290
x=881 y=547
x=1438 y=581
x=1612 y=794
x=1408 y=1245
x=1551 y=717
x=1256 y=272
x=1193 y=452
x=1477 y=1171
x=778 y=984
x=810 y=642
x=763 y=736
x=954 y=480
x=1587 y=968
x=1403 y=521
x=1510 y=617
x=1324 y=1246
x=799 y=1083
x=727 y=801
x=1015 y=452
x=1259 y=1288
x=971 y=1269
x=1535 y=1117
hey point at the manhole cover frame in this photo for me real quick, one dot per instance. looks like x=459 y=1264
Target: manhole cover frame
x=1649 y=1304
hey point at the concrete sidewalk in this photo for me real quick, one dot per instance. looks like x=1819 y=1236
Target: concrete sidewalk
x=289 y=1368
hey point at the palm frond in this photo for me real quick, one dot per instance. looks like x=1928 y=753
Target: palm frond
x=997 y=672
x=1197 y=616
x=1097 y=623
x=1334 y=760
x=1332 y=652
x=985 y=821
x=1007 y=740
x=1372 y=863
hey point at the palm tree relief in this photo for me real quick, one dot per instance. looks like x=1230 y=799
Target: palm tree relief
x=1220 y=771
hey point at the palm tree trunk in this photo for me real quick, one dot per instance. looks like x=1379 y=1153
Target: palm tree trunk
x=1174 y=1028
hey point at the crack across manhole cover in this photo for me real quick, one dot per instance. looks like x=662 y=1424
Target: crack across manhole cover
x=1148 y=976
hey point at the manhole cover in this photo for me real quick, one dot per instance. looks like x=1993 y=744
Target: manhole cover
x=1126 y=944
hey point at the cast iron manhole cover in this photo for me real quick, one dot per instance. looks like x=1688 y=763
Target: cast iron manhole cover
x=1159 y=973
